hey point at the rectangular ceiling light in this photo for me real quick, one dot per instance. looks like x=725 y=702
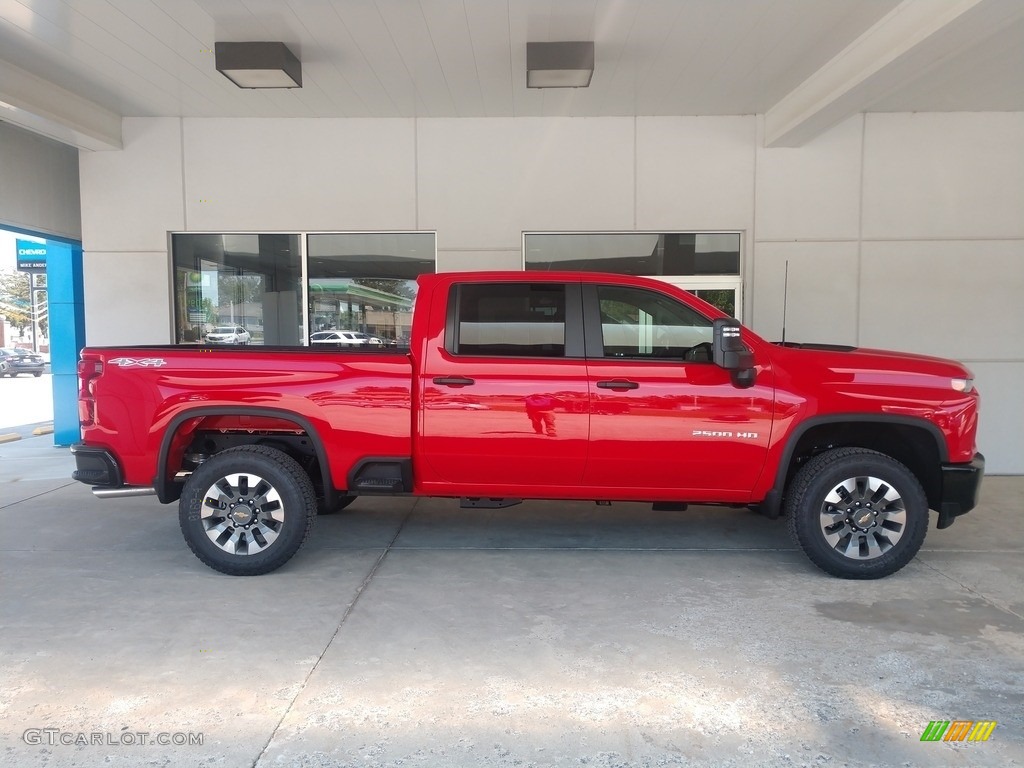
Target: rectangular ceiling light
x=259 y=65
x=559 y=65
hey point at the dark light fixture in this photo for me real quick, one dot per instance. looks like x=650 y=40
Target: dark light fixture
x=559 y=65
x=259 y=65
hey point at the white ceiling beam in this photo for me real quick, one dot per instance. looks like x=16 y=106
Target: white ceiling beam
x=903 y=45
x=42 y=107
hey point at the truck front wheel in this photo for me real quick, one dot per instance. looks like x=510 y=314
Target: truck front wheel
x=857 y=514
x=245 y=511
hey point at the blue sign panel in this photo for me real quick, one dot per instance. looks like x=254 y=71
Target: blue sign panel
x=31 y=256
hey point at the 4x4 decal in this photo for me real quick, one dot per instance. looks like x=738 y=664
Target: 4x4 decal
x=140 y=362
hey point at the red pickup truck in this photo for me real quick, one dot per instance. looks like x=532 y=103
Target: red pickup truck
x=538 y=385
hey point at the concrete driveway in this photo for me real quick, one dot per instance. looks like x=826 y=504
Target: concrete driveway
x=413 y=633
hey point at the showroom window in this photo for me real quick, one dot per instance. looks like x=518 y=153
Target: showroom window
x=237 y=288
x=365 y=283
x=705 y=263
x=358 y=288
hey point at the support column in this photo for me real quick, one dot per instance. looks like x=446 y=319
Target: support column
x=67 y=336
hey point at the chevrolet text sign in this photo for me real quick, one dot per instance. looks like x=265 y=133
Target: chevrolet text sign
x=31 y=256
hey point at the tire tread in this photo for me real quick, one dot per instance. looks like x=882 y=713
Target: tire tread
x=802 y=529
x=294 y=471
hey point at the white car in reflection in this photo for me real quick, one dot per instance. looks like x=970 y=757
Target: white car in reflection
x=228 y=334
x=345 y=339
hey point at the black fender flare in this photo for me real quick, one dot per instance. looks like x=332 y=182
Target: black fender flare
x=168 y=491
x=772 y=503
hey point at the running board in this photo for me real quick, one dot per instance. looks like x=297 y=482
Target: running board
x=123 y=492
x=485 y=502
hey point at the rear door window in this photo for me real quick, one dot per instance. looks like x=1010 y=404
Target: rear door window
x=510 y=319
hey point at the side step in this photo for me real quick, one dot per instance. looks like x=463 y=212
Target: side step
x=483 y=502
x=381 y=475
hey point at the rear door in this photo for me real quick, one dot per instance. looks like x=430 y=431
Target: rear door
x=504 y=401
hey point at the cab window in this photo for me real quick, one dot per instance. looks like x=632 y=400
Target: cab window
x=641 y=324
x=510 y=320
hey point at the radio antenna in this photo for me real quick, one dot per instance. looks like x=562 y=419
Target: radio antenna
x=785 y=301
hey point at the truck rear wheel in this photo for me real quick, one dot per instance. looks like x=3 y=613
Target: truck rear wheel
x=857 y=514
x=247 y=510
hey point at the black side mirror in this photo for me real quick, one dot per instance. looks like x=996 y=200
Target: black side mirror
x=729 y=352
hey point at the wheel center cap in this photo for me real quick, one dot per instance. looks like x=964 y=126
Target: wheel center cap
x=864 y=518
x=241 y=515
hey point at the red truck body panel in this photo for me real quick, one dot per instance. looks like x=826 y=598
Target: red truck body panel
x=525 y=427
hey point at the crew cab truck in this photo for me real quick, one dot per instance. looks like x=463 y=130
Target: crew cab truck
x=538 y=385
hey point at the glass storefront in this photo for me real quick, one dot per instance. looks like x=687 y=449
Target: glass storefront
x=365 y=283
x=359 y=288
x=238 y=289
x=704 y=263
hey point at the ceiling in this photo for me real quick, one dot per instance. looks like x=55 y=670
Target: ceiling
x=84 y=64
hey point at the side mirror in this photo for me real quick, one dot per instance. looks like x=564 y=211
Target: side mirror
x=729 y=352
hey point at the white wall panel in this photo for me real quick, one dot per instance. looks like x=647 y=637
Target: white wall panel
x=933 y=263
x=953 y=299
x=811 y=193
x=955 y=175
x=127 y=298
x=1002 y=416
x=695 y=172
x=821 y=302
x=39 y=189
x=132 y=198
x=462 y=261
x=482 y=182
x=290 y=174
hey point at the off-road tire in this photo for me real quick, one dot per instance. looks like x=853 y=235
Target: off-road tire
x=268 y=504
x=856 y=513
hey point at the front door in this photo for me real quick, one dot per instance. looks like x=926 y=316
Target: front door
x=665 y=420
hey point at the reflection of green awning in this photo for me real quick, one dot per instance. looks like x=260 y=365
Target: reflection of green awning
x=343 y=288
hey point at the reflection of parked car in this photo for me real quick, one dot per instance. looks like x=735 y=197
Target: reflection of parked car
x=228 y=334
x=15 y=361
x=345 y=339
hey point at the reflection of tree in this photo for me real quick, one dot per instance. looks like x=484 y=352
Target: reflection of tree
x=725 y=300
x=404 y=288
x=239 y=289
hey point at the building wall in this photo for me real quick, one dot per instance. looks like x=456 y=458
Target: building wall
x=900 y=230
x=38 y=184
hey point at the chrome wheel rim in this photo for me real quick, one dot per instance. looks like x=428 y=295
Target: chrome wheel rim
x=242 y=514
x=863 y=518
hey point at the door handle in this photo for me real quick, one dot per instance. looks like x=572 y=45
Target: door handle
x=617 y=384
x=454 y=381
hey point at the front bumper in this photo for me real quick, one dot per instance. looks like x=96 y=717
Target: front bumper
x=961 y=486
